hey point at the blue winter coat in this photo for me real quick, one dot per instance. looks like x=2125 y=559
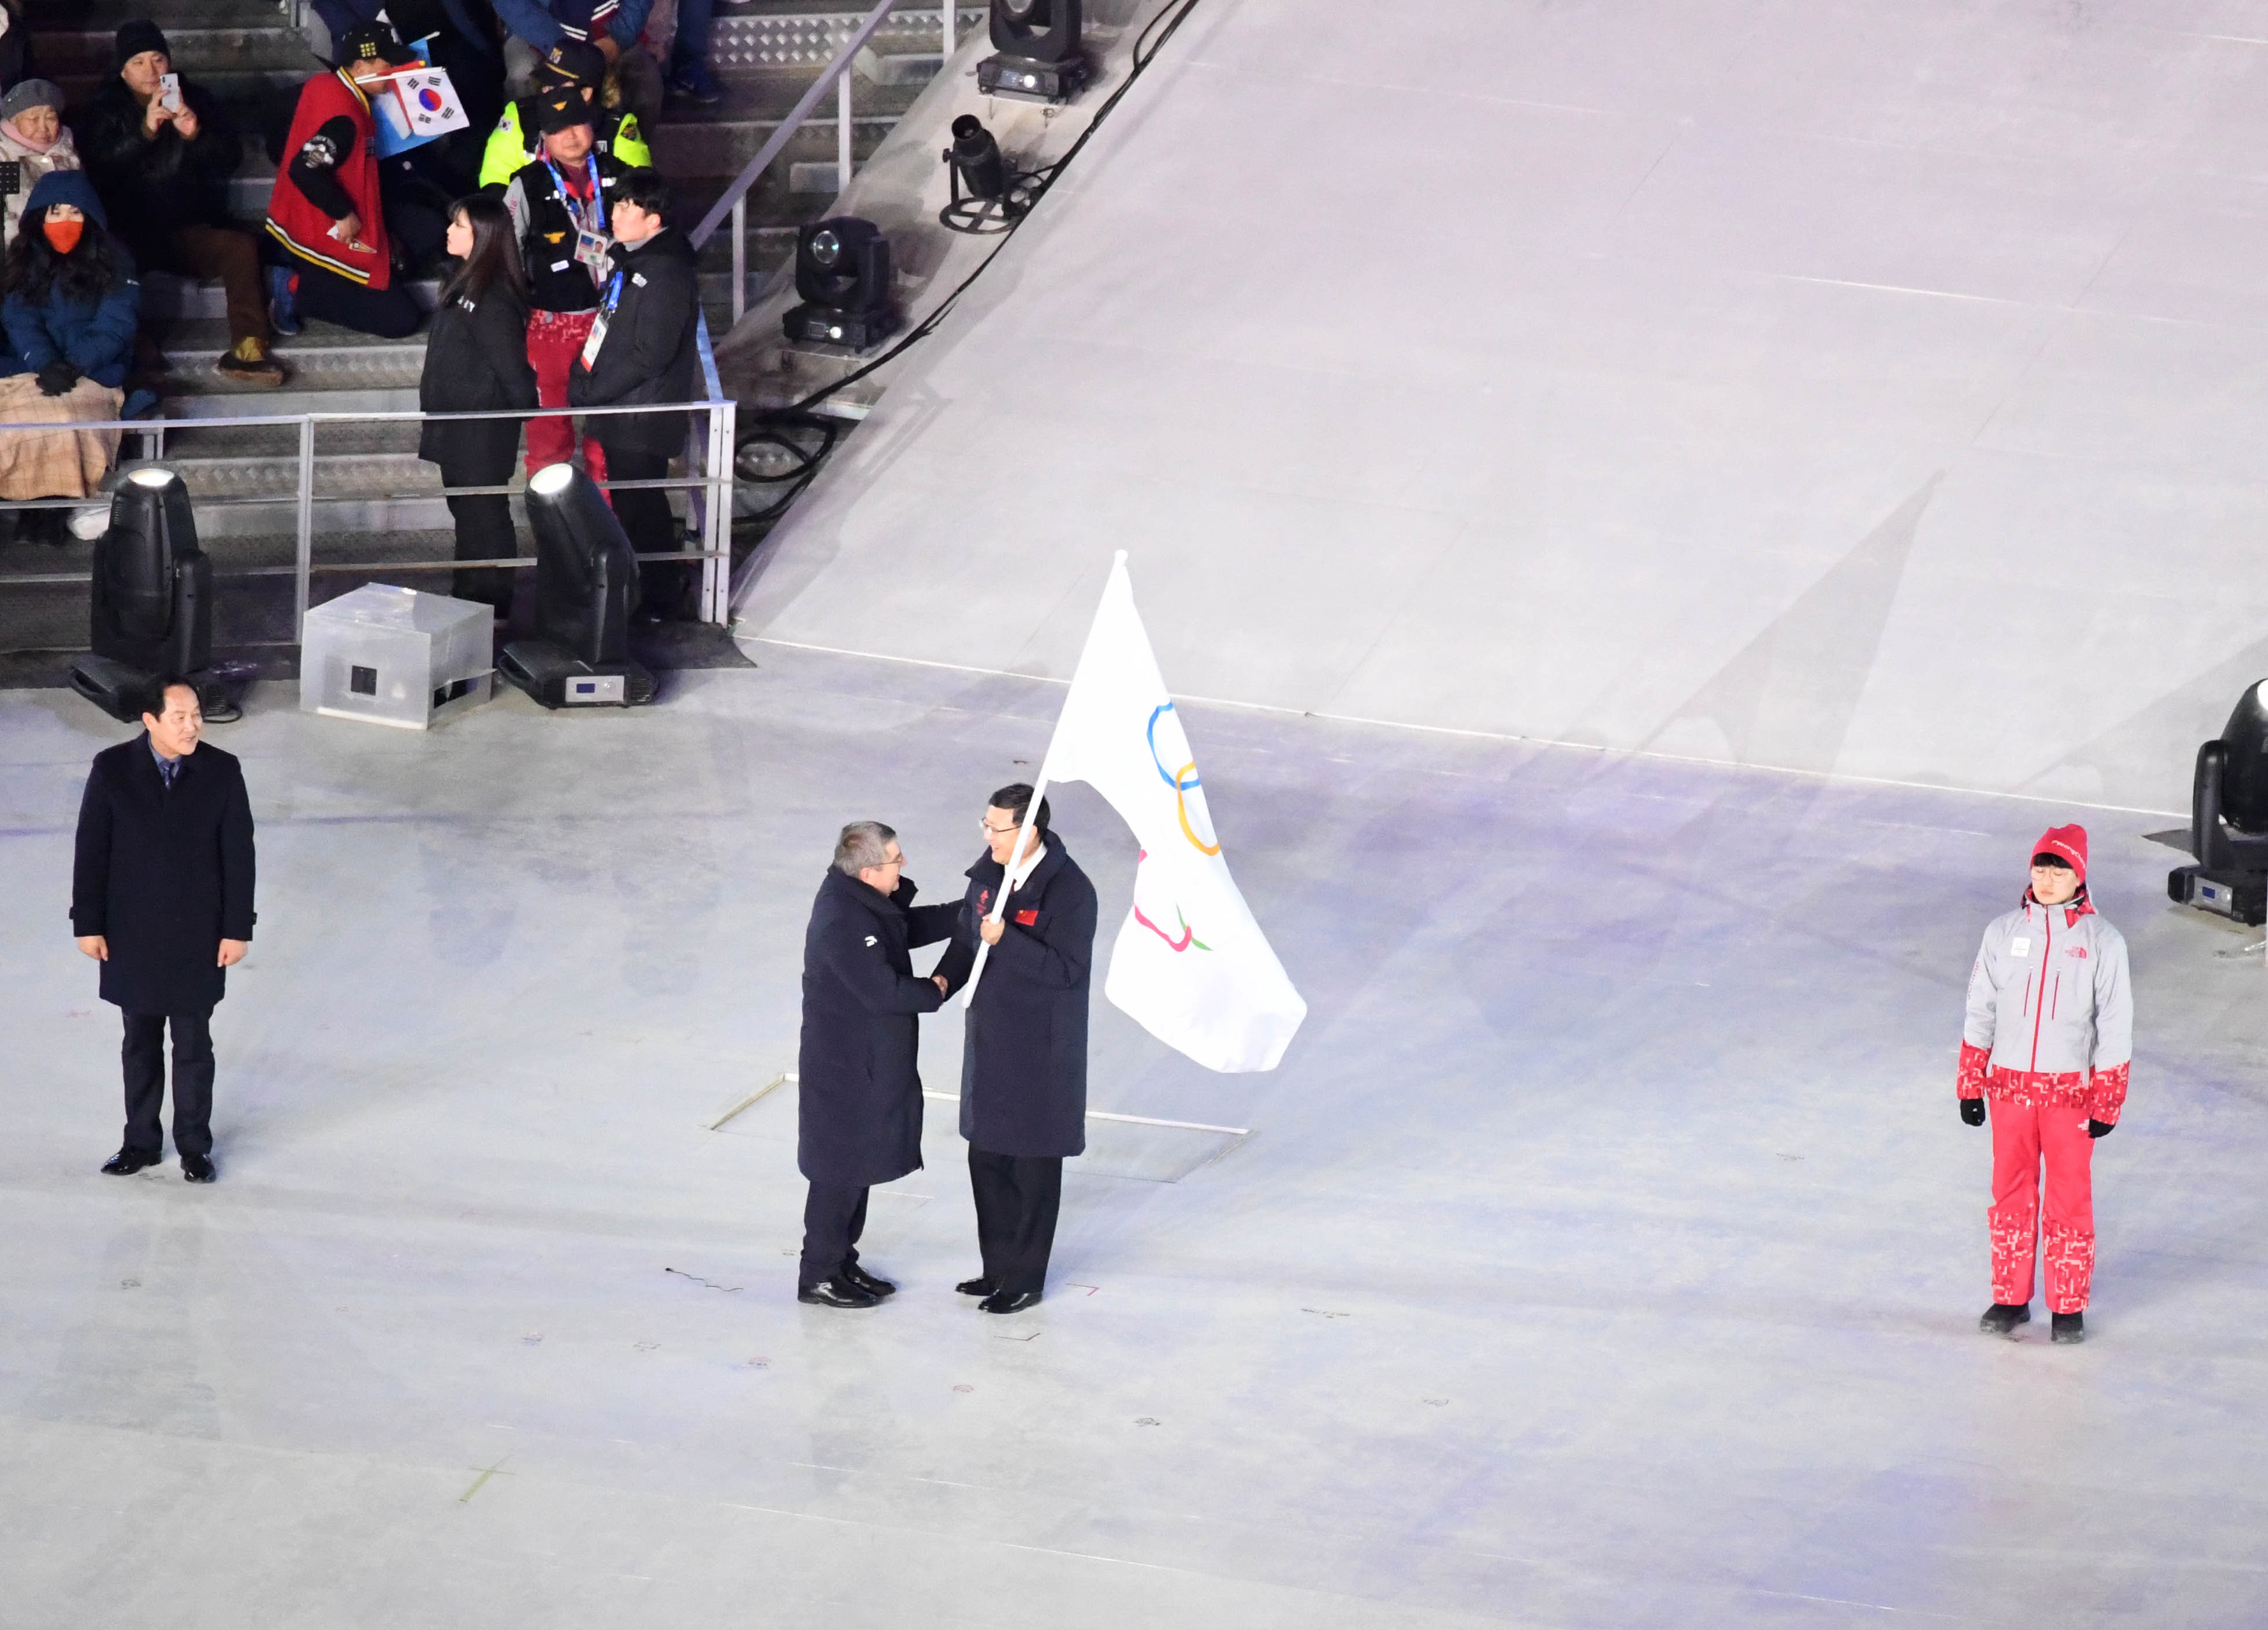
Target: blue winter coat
x=96 y=337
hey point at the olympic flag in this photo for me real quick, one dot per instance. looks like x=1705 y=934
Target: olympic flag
x=1190 y=966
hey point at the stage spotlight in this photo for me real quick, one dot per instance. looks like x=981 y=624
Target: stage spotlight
x=1038 y=42
x=586 y=586
x=843 y=272
x=993 y=201
x=149 y=608
x=2228 y=818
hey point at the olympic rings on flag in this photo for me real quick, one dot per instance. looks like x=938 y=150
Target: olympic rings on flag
x=1180 y=781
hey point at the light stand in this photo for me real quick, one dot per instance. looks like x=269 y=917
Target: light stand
x=1039 y=51
x=2228 y=818
x=843 y=272
x=993 y=202
x=150 y=602
x=586 y=586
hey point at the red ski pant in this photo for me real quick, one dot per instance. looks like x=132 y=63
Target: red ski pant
x=555 y=339
x=2024 y=1138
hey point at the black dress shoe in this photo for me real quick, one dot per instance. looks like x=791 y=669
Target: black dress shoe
x=1009 y=1301
x=853 y=1274
x=126 y=1161
x=837 y=1293
x=197 y=1169
x=2068 y=1328
x=979 y=1287
x=2002 y=1317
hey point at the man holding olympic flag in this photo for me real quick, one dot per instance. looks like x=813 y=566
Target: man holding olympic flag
x=1190 y=965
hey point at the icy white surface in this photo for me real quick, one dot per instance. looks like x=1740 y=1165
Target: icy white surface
x=1871 y=385
x=1607 y=1254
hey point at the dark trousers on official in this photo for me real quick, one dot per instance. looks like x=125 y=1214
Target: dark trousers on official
x=143 y=1055
x=1017 y=1199
x=483 y=529
x=834 y=1217
x=664 y=586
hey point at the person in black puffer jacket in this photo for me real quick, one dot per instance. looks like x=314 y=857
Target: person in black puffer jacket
x=164 y=173
x=475 y=358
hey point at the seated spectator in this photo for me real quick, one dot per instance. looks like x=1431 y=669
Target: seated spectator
x=164 y=173
x=475 y=358
x=560 y=207
x=69 y=302
x=32 y=137
x=516 y=143
x=647 y=352
x=337 y=243
x=459 y=36
x=689 y=58
x=613 y=26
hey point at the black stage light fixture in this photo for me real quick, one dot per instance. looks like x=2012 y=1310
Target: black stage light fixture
x=994 y=199
x=843 y=272
x=149 y=608
x=1040 y=55
x=586 y=586
x=2228 y=818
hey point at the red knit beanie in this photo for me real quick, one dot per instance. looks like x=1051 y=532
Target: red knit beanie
x=2067 y=843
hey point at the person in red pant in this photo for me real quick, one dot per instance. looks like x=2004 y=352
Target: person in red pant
x=2047 y=1043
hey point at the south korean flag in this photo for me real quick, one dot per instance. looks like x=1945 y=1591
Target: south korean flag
x=430 y=106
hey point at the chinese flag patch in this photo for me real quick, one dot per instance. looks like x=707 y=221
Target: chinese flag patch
x=1027 y=918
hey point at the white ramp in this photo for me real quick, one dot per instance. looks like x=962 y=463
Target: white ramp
x=1879 y=387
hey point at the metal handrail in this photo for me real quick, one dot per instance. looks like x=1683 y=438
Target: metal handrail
x=837 y=74
x=708 y=450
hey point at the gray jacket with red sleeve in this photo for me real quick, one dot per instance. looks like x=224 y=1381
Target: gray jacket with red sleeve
x=2050 y=1011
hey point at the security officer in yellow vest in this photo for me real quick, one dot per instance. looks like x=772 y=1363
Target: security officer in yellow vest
x=515 y=142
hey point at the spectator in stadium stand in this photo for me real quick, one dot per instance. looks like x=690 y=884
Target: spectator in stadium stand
x=643 y=349
x=338 y=248
x=459 y=36
x=516 y=143
x=689 y=78
x=69 y=301
x=613 y=26
x=562 y=207
x=163 y=171
x=476 y=358
x=34 y=138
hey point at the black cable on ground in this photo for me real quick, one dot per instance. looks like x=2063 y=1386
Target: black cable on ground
x=1145 y=51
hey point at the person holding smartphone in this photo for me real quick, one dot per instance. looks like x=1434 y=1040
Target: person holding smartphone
x=160 y=150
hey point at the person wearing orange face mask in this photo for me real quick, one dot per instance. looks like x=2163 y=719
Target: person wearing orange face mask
x=70 y=300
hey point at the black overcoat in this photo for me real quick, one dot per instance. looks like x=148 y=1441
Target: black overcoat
x=652 y=351
x=1023 y=1061
x=164 y=875
x=858 y=1088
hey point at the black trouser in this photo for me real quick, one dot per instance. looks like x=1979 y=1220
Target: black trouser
x=143 y=1055
x=1017 y=1197
x=483 y=528
x=834 y=1217
x=388 y=314
x=666 y=586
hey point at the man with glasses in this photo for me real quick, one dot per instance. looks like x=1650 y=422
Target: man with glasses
x=858 y=1088
x=1023 y=1063
x=161 y=897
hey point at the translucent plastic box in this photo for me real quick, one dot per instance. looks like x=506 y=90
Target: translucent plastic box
x=395 y=656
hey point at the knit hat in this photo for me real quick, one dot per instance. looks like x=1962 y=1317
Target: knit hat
x=32 y=93
x=572 y=62
x=561 y=109
x=138 y=36
x=2068 y=844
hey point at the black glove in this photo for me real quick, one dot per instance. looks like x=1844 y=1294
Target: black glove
x=2100 y=1128
x=1973 y=1112
x=56 y=379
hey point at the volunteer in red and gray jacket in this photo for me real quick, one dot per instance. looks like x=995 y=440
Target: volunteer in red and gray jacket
x=2049 y=1038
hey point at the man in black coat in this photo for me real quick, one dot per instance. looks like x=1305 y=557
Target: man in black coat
x=1023 y=1062
x=858 y=1090
x=645 y=349
x=161 y=896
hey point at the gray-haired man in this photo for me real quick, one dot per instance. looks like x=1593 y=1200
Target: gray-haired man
x=859 y=1091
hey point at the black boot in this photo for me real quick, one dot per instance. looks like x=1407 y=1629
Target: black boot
x=2068 y=1328
x=2002 y=1317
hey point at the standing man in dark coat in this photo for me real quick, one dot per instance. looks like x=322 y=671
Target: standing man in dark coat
x=161 y=896
x=1023 y=1063
x=858 y=1092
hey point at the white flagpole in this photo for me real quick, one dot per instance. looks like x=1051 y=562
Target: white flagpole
x=1008 y=880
